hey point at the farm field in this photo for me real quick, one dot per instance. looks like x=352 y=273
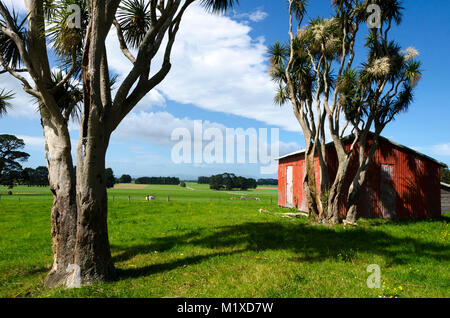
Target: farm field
x=202 y=244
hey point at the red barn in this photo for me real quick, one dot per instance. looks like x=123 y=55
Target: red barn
x=401 y=182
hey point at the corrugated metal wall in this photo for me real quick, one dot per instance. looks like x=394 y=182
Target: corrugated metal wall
x=396 y=178
x=445 y=200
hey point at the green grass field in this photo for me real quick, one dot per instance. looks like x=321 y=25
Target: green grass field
x=202 y=244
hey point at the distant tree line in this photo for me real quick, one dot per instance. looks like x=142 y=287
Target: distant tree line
x=267 y=181
x=158 y=180
x=34 y=177
x=204 y=180
x=229 y=181
x=445 y=175
x=125 y=178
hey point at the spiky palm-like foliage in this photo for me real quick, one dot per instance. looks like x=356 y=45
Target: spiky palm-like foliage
x=219 y=6
x=5 y=97
x=397 y=72
x=69 y=96
x=134 y=19
x=8 y=49
x=66 y=41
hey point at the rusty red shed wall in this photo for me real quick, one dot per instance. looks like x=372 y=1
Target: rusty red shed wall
x=415 y=181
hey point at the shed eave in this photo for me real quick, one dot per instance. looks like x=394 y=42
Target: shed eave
x=299 y=152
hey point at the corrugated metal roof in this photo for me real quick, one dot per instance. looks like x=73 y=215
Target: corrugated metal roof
x=291 y=154
x=419 y=154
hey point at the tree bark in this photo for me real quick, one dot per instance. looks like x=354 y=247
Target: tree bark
x=64 y=208
x=92 y=250
x=334 y=198
x=360 y=177
x=314 y=202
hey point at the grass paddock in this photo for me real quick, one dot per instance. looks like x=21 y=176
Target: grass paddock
x=199 y=243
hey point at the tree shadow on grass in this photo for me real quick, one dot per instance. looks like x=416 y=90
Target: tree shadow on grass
x=164 y=267
x=401 y=222
x=318 y=243
x=309 y=243
x=160 y=245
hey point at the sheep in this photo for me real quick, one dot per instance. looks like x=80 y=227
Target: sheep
x=149 y=198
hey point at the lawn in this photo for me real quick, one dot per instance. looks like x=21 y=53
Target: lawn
x=202 y=244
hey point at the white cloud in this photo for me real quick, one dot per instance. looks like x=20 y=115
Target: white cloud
x=441 y=150
x=436 y=150
x=122 y=66
x=156 y=127
x=258 y=15
x=287 y=148
x=255 y=16
x=37 y=143
x=23 y=104
x=217 y=66
x=33 y=142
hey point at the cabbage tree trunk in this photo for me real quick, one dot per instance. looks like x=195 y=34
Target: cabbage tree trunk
x=309 y=183
x=335 y=195
x=92 y=254
x=64 y=208
x=360 y=177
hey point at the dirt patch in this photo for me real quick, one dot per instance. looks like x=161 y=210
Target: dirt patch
x=130 y=186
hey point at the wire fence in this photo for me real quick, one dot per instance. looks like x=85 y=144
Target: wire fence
x=28 y=197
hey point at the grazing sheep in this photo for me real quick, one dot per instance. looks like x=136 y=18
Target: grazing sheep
x=256 y=199
x=150 y=197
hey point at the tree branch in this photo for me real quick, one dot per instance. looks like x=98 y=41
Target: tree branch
x=123 y=44
x=68 y=75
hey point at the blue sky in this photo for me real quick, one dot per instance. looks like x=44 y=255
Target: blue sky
x=219 y=76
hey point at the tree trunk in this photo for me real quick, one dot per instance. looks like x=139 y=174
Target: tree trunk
x=360 y=177
x=353 y=198
x=92 y=250
x=334 y=198
x=64 y=209
x=324 y=180
x=309 y=182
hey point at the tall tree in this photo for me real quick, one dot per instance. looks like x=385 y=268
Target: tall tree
x=125 y=178
x=41 y=175
x=320 y=70
x=110 y=179
x=10 y=158
x=81 y=250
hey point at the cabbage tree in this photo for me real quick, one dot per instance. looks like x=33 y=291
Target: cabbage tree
x=76 y=30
